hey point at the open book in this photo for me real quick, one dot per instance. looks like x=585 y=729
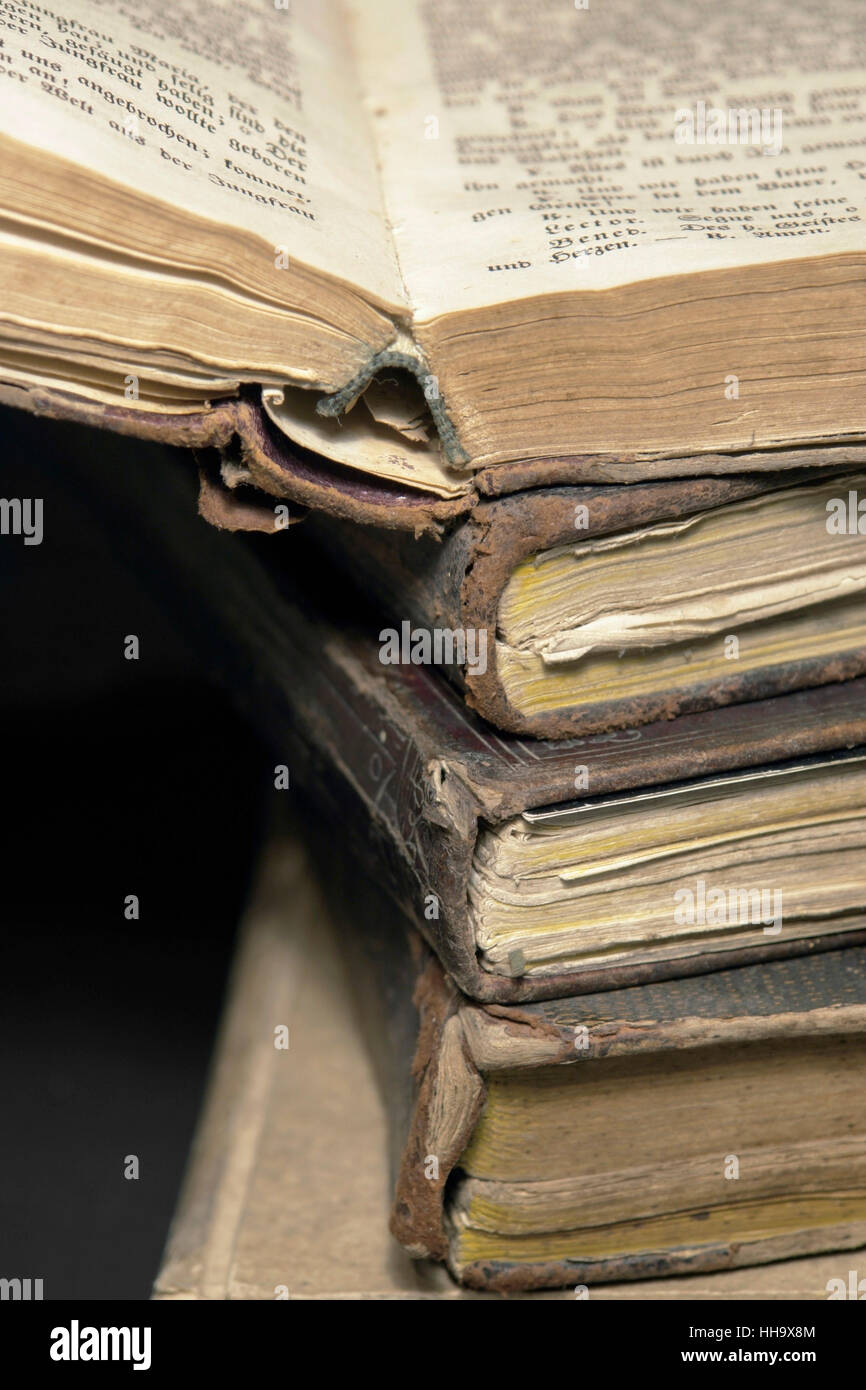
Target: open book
x=430 y=241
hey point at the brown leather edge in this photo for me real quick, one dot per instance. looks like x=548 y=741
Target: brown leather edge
x=460 y=797
x=344 y=492
x=211 y=427
x=500 y=479
x=498 y=1277
x=287 y=471
x=274 y=465
x=802 y=674
x=458 y=582
x=502 y=534
x=503 y=989
x=242 y=510
x=417 y=1216
x=507 y=1037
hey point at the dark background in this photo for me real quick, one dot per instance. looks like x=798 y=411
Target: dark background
x=118 y=777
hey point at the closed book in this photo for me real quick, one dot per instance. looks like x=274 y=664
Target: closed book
x=657 y=1130
x=288 y=1189
x=563 y=611
x=534 y=868
x=653 y=1131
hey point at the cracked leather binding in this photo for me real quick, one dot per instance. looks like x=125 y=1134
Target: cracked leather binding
x=436 y=1052
x=407 y=774
x=457 y=582
x=239 y=428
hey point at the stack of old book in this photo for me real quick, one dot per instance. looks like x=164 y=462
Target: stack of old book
x=569 y=648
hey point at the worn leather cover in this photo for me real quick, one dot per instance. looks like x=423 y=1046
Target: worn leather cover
x=817 y=996
x=286 y=1193
x=272 y=464
x=411 y=779
x=279 y=468
x=460 y=1043
x=457 y=582
x=407 y=774
x=449 y=561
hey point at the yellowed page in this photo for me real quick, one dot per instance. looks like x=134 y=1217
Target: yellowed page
x=234 y=110
x=358 y=440
x=533 y=148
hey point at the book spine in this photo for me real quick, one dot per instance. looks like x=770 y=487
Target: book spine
x=239 y=429
x=457 y=583
x=411 y=1016
x=400 y=773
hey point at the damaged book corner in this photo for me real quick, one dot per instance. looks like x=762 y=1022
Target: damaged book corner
x=647 y=1133
x=527 y=431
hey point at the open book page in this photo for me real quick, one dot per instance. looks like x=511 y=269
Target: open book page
x=560 y=146
x=236 y=111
